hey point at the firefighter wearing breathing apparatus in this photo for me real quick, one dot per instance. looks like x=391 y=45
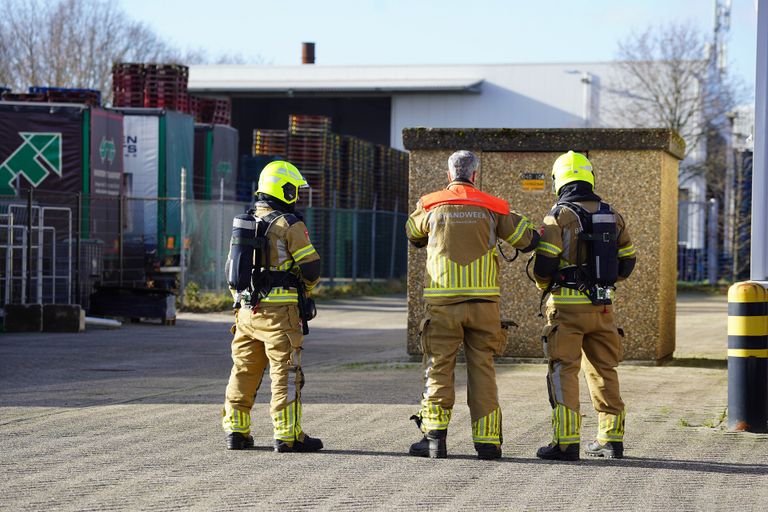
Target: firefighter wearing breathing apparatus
x=271 y=267
x=460 y=228
x=584 y=250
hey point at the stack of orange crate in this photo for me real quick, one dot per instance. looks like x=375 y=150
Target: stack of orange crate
x=358 y=173
x=381 y=177
x=307 y=149
x=333 y=167
x=399 y=163
x=270 y=142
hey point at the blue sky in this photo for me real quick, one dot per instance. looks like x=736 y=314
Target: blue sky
x=349 y=32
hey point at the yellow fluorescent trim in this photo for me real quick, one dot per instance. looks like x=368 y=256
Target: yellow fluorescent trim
x=548 y=248
x=743 y=352
x=747 y=325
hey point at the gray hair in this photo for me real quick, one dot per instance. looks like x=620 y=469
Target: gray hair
x=462 y=164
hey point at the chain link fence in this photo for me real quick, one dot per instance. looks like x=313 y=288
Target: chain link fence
x=57 y=248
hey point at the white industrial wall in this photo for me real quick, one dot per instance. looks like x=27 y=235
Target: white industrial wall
x=512 y=96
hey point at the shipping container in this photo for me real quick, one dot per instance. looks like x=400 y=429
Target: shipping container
x=62 y=150
x=215 y=162
x=68 y=156
x=158 y=145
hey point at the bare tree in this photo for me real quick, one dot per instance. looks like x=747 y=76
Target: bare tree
x=73 y=43
x=666 y=78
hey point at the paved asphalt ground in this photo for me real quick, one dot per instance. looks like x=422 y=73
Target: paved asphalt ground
x=129 y=420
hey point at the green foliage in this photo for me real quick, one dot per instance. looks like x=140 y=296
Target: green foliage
x=708 y=423
x=358 y=289
x=721 y=288
x=196 y=301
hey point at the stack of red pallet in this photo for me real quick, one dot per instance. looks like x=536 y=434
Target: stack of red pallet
x=128 y=84
x=212 y=110
x=307 y=149
x=165 y=86
x=270 y=142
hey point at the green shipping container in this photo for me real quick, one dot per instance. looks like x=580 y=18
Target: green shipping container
x=158 y=145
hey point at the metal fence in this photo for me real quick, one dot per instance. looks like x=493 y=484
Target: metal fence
x=56 y=248
x=698 y=253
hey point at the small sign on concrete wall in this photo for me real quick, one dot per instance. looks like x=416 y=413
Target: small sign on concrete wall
x=532 y=182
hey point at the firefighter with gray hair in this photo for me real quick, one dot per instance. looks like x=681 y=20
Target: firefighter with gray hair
x=460 y=228
x=585 y=249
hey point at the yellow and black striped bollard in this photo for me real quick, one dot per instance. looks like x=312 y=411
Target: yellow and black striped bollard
x=748 y=357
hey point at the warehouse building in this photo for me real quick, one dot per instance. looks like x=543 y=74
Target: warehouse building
x=375 y=103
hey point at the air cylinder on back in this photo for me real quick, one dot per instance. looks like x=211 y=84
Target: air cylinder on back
x=240 y=263
x=604 y=249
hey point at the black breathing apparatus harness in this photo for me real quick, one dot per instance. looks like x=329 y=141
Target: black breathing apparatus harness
x=595 y=273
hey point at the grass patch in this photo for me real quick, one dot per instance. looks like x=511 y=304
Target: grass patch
x=358 y=289
x=721 y=288
x=198 y=301
x=699 y=362
x=708 y=423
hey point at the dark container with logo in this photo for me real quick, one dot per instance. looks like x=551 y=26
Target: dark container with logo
x=59 y=151
x=43 y=147
x=215 y=162
x=62 y=150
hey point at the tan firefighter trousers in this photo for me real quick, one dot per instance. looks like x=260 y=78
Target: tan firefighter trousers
x=477 y=326
x=570 y=332
x=270 y=336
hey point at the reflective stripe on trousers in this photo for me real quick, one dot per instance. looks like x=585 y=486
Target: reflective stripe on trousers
x=611 y=427
x=287 y=422
x=488 y=428
x=236 y=421
x=434 y=417
x=566 y=425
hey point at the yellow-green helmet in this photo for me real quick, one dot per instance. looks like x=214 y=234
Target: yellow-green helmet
x=571 y=167
x=282 y=180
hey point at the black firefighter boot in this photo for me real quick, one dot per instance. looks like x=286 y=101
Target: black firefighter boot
x=432 y=445
x=610 y=450
x=238 y=441
x=488 y=451
x=305 y=444
x=555 y=451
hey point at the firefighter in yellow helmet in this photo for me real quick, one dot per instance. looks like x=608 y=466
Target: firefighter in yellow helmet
x=584 y=250
x=270 y=333
x=460 y=227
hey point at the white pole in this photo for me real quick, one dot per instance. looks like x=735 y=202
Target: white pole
x=586 y=80
x=182 y=262
x=40 y=244
x=759 y=249
x=220 y=237
x=9 y=260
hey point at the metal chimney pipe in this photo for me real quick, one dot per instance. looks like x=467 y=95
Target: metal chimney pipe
x=307 y=53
